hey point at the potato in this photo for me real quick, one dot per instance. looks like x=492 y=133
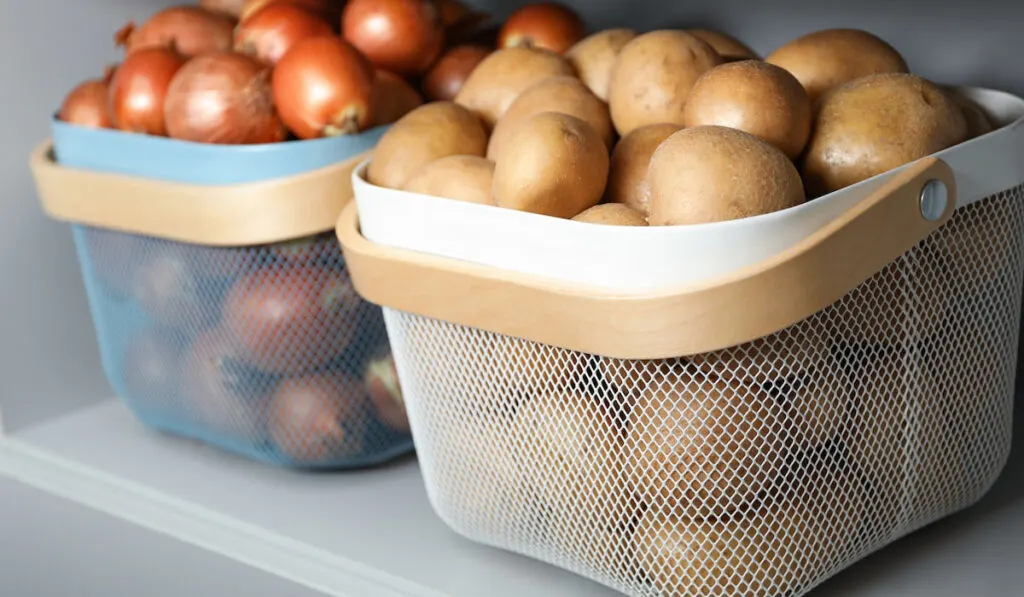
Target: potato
x=566 y=95
x=594 y=57
x=499 y=79
x=461 y=177
x=569 y=451
x=653 y=76
x=429 y=132
x=554 y=164
x=756 y=97
x=703 y=446
x=728 y=47
x=827 y=59
x=613 y=214
x=978 y=121
x=795 y=540
x=875 y=124
x=713 y=173
x=627 y=175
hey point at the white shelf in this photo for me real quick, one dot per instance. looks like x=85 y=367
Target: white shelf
x=373 y=534
x=362 y=534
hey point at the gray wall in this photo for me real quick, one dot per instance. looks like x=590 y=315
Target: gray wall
x=48 y=358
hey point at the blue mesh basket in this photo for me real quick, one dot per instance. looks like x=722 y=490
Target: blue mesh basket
x=264 y=350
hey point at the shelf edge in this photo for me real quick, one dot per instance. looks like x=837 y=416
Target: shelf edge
x=301 y=563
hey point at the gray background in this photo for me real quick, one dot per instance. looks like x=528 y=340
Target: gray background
x=49 y=362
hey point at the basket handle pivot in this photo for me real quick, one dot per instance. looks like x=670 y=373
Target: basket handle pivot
x=739 y=307
x=217 y=215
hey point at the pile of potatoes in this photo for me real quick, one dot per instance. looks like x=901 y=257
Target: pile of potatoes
x=752 y=471
x=673 y=127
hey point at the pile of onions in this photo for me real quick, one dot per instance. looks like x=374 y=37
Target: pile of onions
x=86 y=105
x=138 y=90
x=400 y=36
x=444 y=80
x=271 y=32
x=191 y=30
x=323 y=87
x=392 y=98
x=223 y=97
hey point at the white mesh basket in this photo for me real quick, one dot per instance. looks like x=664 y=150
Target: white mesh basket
x=883 y=403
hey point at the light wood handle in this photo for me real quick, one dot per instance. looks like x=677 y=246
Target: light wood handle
x=745 y=305
x=220 y=215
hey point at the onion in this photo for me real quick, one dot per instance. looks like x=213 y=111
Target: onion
x=401 y=36
x=228 y=7
x=191 y=30
x=323 y=87
x=87 y=104
x=138 y=90
x=329 y=10
x=548 y=25
x=461 y=23
x=224 y=98
x=444 y=80
x=393 y=98
x=271 y=32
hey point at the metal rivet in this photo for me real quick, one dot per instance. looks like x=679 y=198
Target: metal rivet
x=934 y=197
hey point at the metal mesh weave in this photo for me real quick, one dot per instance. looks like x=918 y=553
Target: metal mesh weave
x=266 y=351
x=759 y=470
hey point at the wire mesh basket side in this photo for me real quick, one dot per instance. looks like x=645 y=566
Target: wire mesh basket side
x=758 y=470
x=266 y=351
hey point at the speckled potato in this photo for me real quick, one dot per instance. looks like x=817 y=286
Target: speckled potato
x=594 y=57
x=612 y=214
x=978 y=121
x=428 y=133
x=627 y=175
x=756 y=97
x=554 y=164
x=499 y=79
x=875 y=124
x=826 y=59
x=566 y=95
x=727 y=46
x=653 y=76
x=466 y=178
x=703 y=446
x=713 y=174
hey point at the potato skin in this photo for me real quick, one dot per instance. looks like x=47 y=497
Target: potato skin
x=653 y=76
x=826 y=59
x=727 y=46
x=466 y=178
x=429 y=132
x=555 y=164
x=567 y=95
x=713 y=173
x=499 y=79
x=612 y=214
x=594 y=57
x=756 y=97
x=627 y=177
x=875 y=124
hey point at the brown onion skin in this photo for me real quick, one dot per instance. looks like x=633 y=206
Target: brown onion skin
x=313 y=66
x=328 y=10
x=271 y=32
x=406 y=36
x=138 y=90
x=88 y=104
x=190 y=30
x=223 y=98
x=444 y=80
x=232 y=8
x=393 y=98
x=547 y=25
